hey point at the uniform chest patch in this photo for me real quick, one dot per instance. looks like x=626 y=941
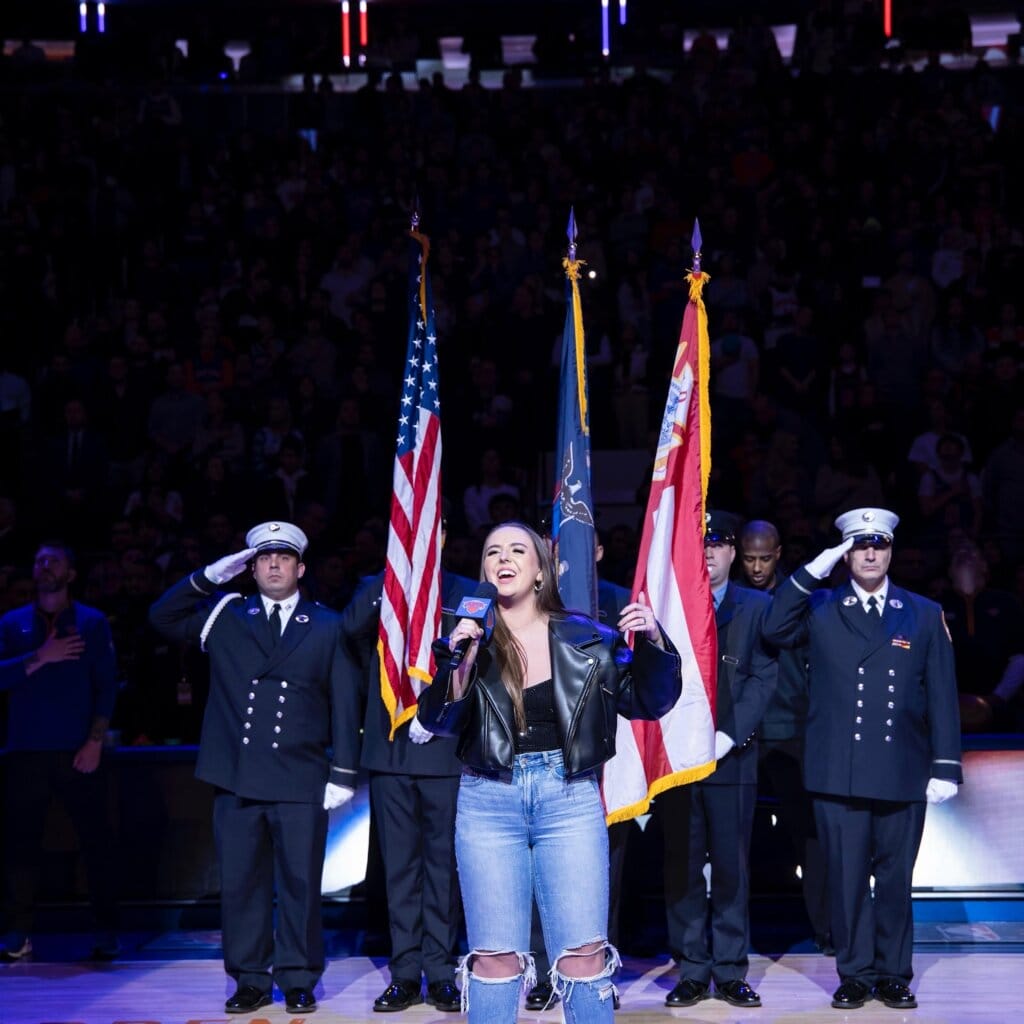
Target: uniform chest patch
x=901 y=641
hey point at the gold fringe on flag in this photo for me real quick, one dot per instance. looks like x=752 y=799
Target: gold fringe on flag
x=572 y=272
x=698 y=279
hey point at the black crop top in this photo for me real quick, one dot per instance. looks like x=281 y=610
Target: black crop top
x=539 y=706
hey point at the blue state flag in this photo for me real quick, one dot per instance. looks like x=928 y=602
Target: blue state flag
x=572 y=517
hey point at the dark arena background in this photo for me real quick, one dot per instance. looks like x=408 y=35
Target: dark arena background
x=204 y=211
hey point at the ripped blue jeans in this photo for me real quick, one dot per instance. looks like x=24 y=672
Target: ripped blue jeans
x=533 y=831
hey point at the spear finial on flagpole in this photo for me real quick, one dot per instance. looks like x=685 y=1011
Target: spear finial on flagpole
x=571 y=232
x=414 y=217
x=696 y=242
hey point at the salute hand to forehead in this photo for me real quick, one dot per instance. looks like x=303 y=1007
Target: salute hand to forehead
x=228 y=567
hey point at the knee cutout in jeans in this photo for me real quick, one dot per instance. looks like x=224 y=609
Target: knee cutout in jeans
x=563 y=984
x=526 y=976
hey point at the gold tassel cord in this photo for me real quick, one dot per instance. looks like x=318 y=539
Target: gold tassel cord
x=572 y=272
x=697 y=281
x=425 y=246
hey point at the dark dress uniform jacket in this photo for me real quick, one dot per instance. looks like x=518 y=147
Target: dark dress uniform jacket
x=883 y=716
x=273 y=711
x=785 y=718
x=399 y=756
x=747 y=675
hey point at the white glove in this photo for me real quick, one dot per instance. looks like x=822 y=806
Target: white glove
x=417 y=734
x=228 y=568
x=938 y=791
x=821 y=566
x=723 y=744
x=335 y=796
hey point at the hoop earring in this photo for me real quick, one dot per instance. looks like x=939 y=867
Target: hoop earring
x=538 y=586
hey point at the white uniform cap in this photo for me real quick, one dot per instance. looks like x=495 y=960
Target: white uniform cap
x=867 y=522
x=277 y=537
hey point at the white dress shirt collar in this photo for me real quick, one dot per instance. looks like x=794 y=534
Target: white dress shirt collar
x=880 y=594
x=287 y=607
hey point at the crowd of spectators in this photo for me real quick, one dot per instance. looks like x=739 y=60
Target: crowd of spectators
x=203 y=314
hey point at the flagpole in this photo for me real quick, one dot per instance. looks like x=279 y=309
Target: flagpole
x=573 y=535
x=697 y=279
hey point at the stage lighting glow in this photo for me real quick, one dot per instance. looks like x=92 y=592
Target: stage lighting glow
x=83 y=18
x=605 y=32
x=348 y=837
x=976 y=841
x=346 y=34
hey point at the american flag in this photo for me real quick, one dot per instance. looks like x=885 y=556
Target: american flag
x=671 y=570
x=410 y=614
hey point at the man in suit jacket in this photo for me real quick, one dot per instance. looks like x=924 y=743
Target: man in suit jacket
x=714 y=819
x=279 y=700
x=414 y=783
x=883 y=737
x=781 y=735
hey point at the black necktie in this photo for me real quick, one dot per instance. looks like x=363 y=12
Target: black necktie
x=275 y=623
x=872 y=608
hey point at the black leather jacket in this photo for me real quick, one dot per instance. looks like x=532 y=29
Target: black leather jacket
x=596 y=676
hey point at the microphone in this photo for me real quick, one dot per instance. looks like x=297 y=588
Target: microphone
x=480 y=609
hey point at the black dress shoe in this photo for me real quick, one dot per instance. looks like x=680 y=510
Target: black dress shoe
x=541 y=996
x=894 y=993
x=823 y=944
x=299 y=1000
x=850 y=995
x=687 y=993
x=444 y=995
x=399 y=995
x=737 y=993
x=246 y=999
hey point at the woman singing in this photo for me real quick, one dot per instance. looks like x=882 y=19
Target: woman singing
x=535 y=713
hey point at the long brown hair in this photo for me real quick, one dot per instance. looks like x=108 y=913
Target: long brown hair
x=507 y=650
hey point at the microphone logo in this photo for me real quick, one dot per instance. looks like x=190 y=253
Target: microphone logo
x=480 y=608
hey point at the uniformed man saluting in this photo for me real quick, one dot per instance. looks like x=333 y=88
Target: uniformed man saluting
x=883 y=737
x=278 y=701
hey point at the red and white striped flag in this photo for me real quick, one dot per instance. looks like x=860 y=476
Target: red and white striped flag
x=671 y=570
x=410 y=611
